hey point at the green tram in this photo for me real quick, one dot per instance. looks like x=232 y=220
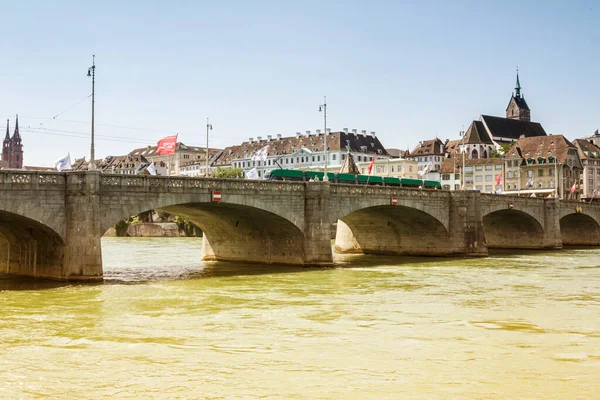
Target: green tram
x=349 y=179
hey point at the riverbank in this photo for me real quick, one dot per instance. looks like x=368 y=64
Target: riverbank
x=154 y=229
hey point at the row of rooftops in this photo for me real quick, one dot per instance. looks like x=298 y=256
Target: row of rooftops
x=540 y=149
x=318 y=132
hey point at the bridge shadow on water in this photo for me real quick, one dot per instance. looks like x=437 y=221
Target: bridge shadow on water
x=155 y=273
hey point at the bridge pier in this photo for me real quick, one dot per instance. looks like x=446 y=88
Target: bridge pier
x=466 y=225
x=317 y=224
x=83 y=261
x=552 y=235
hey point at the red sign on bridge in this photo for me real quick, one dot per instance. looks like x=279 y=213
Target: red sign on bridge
x=394 y=201
x=216 y=196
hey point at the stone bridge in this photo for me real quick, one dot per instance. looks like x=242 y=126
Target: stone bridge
x=51 y=223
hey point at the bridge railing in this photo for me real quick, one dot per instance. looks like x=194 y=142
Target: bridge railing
x=113 y=182
x=45 y=180
x=363 y=190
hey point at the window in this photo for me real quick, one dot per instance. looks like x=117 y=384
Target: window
x=333 y=157
x=478 y=178
x=468 y=180
x=457 y=176
x=552 y=172
x=479 y=168
x=313 y=158
x=468 y=170
x=540 y=172
x=488 y=188
x=498 y=167
x=489 y=178
x=359 y=158
x=509 y=174
x=446 y=177
x=529 y=173
x=489 y=167
x=456 y=187
x=446 y=187
x=478 y=187
x=410 y=169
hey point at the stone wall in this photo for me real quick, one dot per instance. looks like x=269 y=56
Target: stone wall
x=51 y=223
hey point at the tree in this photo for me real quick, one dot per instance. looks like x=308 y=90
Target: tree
x=501 y=152
x=231 y=173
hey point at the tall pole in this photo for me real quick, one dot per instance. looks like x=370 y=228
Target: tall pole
x=208 y=128
x=92 y=73
x=555 y=170
x=324 y=109
x=462 y=150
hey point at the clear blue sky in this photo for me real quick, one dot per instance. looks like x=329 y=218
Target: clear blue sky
x=406 y=69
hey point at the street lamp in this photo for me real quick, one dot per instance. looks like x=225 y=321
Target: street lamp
x=92 y=73
x=323 y=108
x=462 y=150
x=208 y=128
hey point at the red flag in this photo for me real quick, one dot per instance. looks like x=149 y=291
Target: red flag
x=167 y=145
x=498 y=178
x=371 y=165
x=574 y=188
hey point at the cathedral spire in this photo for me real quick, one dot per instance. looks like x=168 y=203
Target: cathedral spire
x=518 y=88
x=7 y=137
x=16 y=136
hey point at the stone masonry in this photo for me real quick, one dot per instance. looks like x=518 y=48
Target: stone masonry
x=51 y=223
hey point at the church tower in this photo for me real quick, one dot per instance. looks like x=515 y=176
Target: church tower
x=517 y=106
x=12 y=148
x=17 y=148
x=6 y=145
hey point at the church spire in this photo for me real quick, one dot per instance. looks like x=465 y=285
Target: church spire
x=16 y=136
x=7 y=137
x=518 y=88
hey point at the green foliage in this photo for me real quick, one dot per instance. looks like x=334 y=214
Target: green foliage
x=502 y=151
x=187 y=227
x=121 y=228
x=231 y=173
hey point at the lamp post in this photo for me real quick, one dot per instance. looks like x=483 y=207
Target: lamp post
x=323 y=108
x=462 y=150
x=555 y=170
x=92 y=73
x=208 y=128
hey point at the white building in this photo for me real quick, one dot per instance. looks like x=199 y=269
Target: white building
x=303 y=151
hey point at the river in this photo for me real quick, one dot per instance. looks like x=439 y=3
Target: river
x=515 y=325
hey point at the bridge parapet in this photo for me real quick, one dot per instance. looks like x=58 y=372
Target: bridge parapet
x=169 y=184
x=34 y=180
x=359 y=190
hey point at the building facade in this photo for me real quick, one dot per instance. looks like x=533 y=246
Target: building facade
x=429 y=155
x=392 y=167
x=184 y=156
x=303 y=151
x=589 y=153
x=544 y=166
x=12 y=148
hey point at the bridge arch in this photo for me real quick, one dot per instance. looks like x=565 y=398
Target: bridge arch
x=579 y=229
x=241 y=229
x=391 y=229
x=512 y=229
x=29 y=247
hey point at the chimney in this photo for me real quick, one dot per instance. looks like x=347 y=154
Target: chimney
x=318 y=131
x=328 y=130
x=298 y=134
x=279 y=136
x=354 y=131
x=307 y=133
x=345 y=130
x=364 y=133
x=251 y=140
x=259 y=138
x=373 y=133
x=269 y=137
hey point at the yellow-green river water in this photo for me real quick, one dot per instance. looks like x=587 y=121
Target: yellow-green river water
x=512 y=326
